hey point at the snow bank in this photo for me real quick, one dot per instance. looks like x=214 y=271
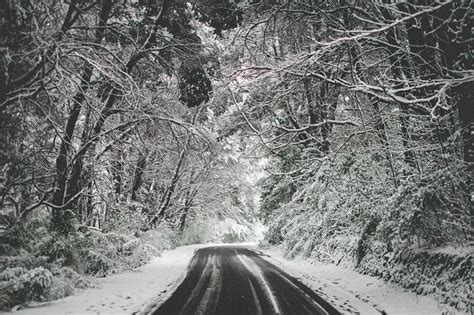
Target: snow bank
x=355 y=293
x=125 y=293
x=444 y=273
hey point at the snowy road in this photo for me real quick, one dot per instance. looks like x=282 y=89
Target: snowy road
x=236 y=280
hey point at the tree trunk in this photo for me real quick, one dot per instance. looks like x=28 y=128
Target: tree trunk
x=60 y=219
x=116 y=168
x=165 y=200
x=466 y=116
x=187 y=206
x=320 y=107
x=115 y=94
x=137 y=179
x=400 y=68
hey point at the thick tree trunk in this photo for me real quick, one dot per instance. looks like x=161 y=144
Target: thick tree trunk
x=61 y=161
x=116 y=168
x=61 y=219
x=137 y=178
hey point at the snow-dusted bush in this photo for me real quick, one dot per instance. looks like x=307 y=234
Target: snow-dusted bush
x=33 y=261
x=59 y=249
x=147 y=245
x=96 y=254
x=47 y=266
x=25 y=260
x=351 y=197
x=429 y=210
x=101 y=254
x=22 y=284
x=65 y=281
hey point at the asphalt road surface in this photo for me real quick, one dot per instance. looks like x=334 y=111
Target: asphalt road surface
x=235 y=280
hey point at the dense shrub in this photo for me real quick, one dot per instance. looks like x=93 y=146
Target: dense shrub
x=429 y=210
x=21 y=284
x=49 y=266
x=353 y=197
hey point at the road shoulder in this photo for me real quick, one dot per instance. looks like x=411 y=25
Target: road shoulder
x=351 y=292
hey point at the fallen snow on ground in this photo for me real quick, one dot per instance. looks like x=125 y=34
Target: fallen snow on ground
x=141 y=291
x=354 y=293
x=126 y=293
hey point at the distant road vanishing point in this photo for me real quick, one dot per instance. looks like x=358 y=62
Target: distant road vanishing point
x=236 y=280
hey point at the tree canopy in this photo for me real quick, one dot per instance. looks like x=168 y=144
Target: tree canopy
x=335 y=123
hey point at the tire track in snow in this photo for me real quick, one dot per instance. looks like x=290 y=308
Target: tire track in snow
x=235 y=280
x=255 y=270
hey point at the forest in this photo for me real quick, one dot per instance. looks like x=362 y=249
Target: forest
x=128 y=127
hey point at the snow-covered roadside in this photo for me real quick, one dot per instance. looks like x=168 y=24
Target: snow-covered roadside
x=139 y=291
x=354 y=293
x=125 y=293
